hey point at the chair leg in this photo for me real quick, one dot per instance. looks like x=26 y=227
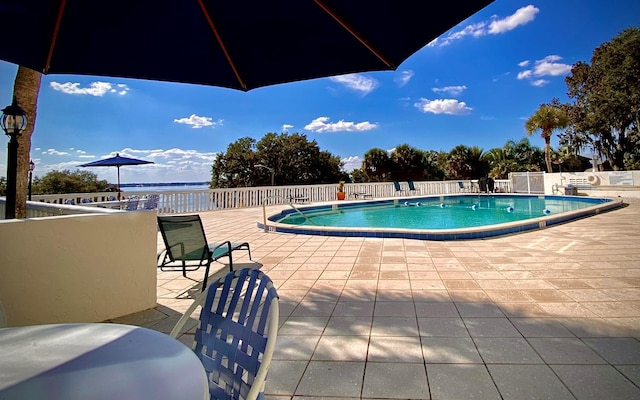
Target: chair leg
x=206 y=276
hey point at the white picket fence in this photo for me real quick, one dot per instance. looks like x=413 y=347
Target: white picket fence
x=176 y=202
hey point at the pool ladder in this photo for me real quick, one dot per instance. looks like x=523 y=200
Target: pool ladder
x=288 y=201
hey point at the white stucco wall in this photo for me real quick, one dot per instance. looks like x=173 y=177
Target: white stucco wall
x=77 y=268
x=595 y=184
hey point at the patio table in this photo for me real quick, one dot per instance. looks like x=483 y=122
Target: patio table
x=97 y=361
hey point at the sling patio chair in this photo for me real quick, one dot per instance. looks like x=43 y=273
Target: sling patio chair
x=398 y=188
x=412 y=187
x=236 y=335
x=151 y=202
x=187 y=249
x=463 y=188
x=132 y=203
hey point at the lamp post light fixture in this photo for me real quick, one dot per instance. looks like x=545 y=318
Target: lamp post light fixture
x=13 y=122
x=270 y=170
x=32 y=166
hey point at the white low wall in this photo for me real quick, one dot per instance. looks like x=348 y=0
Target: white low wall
x=77 y=268
x=595 y=184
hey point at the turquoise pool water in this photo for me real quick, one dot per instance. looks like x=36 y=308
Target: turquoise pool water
x=437 y=217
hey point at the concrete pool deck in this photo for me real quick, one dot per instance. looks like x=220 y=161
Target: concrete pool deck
x=553 y=313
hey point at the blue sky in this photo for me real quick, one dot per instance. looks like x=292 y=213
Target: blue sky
x=474 y=85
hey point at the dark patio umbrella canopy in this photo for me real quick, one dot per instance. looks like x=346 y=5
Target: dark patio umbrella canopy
x=117 y=161
x=239 y=44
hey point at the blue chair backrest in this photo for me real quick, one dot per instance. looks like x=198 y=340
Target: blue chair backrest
x=232 y=336
x=397 y=186
x=151 y=202
x=132 y=203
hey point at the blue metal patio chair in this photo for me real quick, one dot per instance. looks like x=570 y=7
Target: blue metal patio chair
x=151 y=202
x=187 y=249
x=132 y=203
x=236 y=335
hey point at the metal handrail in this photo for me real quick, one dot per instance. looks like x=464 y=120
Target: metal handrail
x=287 y=199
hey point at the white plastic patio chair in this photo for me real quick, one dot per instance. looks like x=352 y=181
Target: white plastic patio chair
x=237 y=333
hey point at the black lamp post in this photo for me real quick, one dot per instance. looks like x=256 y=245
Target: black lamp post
x=13 y=121
x=32 y=166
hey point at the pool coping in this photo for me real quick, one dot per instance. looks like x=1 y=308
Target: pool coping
x=487 y=231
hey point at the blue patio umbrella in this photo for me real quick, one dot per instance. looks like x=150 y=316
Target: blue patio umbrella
x=117 y=161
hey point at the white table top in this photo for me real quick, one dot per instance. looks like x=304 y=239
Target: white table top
x=97 y=361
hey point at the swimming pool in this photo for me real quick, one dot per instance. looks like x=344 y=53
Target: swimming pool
x=437 y=217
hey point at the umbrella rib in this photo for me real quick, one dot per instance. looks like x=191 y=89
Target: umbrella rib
x=221 y=43
x=354 y=34
x=54 y=37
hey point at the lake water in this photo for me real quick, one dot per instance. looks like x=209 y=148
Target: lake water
x=165 y=188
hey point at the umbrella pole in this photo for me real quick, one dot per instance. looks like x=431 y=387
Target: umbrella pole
x=118 y=167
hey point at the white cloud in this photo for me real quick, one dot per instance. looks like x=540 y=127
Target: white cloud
x=450 y=90
x=321 y=125
x=357 y=82
x=54 y=152
x=97 y=89
x=539 y=82
x=525 y=74
x=547 y=66
x=286 y=127
x=403 y=77
x=522 y=16
x=195 y=121
x=443 y=106
x=523 y=63
x=351 y=163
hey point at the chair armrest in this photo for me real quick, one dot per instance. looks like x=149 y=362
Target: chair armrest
x=199 y=301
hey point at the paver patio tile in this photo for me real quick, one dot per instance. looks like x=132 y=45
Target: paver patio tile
x=397 y=348
x=442 y=327
x=519 y=382
x=295 y=347
x=354 y=308
x=341 y=348
x=394 y=326
x=464 y=381
x=631 y=372
x=540 y=327
x=479 y=310
x=395 y=381
x=284 y=377
x=348 y=326
x=331 y=378
x=436 y=309
x=445 y=350
x=490 y=327
x=616 y=350
x=565 y=351
x=394 y=309
x=507 y=351
x=303 y=326
x=596 y=382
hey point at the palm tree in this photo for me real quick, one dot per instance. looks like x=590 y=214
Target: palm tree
x=377 y=165
x=547 y=118
x=25 y=90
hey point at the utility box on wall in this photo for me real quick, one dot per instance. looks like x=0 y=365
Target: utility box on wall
x=571 y=191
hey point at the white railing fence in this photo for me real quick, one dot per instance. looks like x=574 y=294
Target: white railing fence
x=176 y=202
